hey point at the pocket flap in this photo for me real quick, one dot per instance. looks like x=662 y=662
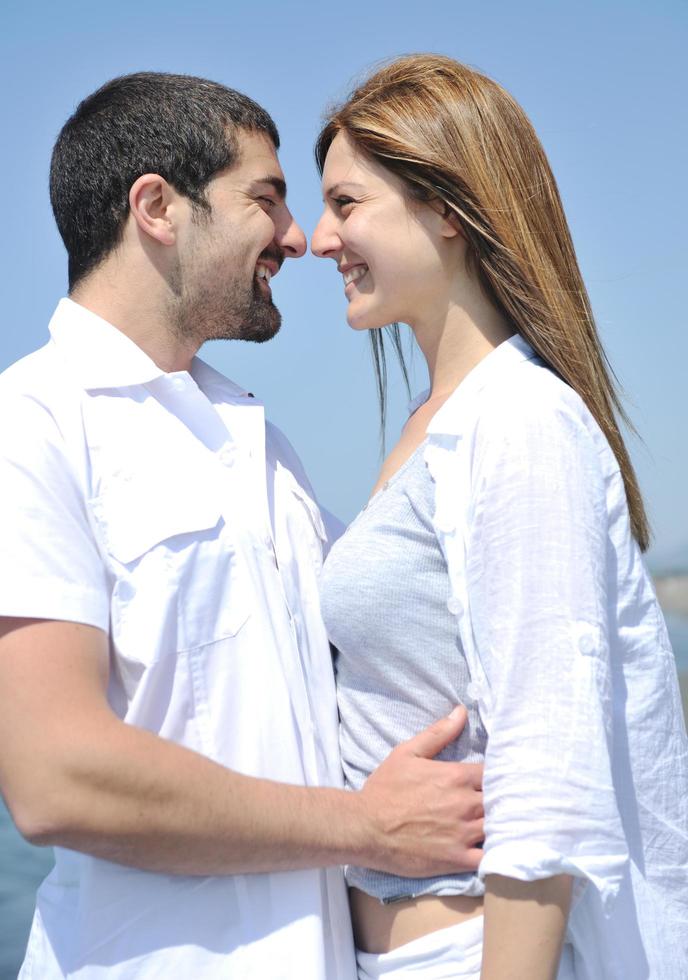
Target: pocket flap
x=134 y=515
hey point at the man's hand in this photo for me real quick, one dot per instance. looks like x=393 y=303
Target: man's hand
x=425 y=817
x=84 y=780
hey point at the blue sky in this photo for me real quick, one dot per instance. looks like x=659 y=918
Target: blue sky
x=604 y=84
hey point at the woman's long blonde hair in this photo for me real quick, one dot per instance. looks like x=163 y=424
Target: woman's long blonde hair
x=455 y=136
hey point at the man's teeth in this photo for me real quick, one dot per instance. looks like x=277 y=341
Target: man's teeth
x=262 y=272
x=353 y=274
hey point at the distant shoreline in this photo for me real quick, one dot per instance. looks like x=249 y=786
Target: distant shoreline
x=672 y=592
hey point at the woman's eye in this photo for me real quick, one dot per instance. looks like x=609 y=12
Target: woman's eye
x=343 y=202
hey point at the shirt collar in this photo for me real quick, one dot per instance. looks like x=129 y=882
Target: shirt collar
x=207 y=377
x=101 y=356
x=449 y=420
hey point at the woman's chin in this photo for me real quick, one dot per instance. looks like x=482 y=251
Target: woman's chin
x=363 y=319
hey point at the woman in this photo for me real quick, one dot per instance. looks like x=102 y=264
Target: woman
x=498 y=562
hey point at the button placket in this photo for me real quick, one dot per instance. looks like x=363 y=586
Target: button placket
x=455 y=606
x=226 y=456
x=586 y=643
x=473 y=691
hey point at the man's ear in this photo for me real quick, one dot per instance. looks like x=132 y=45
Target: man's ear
x=151 y=202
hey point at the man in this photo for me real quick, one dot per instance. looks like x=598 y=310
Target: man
x=167 y=714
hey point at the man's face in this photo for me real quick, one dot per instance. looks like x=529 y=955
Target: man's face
x=227 y=256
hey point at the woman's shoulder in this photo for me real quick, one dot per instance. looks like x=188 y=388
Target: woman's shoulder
x=531 y=387
x=523 y=410
x=533 y=402
x=500 y=392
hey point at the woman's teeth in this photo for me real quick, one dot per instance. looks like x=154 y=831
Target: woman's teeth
x=353 y=274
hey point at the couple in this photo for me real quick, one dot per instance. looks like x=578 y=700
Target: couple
x=168 y=718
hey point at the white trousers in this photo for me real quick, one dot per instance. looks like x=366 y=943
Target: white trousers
x=454 y=953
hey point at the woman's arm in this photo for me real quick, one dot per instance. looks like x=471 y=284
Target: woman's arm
x=532 y=910
x=539 y=586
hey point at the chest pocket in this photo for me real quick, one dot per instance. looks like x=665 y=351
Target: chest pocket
x=177 y=578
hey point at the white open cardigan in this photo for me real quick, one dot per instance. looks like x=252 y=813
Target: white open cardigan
x=586 y=771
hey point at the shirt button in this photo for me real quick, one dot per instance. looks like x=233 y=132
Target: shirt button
x=455 y=606
x=225 y=456
x=125 y=591
x=473 y=691
x=178 y=384
x=586 y=643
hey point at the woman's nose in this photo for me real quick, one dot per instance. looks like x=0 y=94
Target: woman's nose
x=325 y=242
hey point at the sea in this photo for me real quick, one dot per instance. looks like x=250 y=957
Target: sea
x=22 y=867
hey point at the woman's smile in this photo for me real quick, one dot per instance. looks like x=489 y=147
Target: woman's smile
x=352 y=276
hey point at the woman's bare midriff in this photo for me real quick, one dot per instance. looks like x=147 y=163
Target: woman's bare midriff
x=380 y=928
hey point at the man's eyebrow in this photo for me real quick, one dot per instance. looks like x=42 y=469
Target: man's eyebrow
x=277 y=183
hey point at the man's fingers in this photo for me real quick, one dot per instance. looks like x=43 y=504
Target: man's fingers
x=477 y=832
x=472 y=858
x=434 y=738
x=468 y=774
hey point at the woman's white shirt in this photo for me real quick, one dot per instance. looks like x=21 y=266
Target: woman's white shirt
x=586 y=770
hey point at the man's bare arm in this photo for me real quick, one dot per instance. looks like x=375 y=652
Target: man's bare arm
x=74 y=775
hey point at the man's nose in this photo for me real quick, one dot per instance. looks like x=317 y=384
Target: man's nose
x=292 y=241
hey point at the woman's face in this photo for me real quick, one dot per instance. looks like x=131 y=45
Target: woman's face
x=398 y=258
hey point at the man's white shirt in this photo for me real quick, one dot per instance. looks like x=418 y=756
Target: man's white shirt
x=163 y=509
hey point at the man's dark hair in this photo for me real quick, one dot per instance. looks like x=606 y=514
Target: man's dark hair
x=181 y=127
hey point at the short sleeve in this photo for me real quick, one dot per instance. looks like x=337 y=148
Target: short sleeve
x=537 y=582
x=334 y=527
x=50 y=567
x=329 y=526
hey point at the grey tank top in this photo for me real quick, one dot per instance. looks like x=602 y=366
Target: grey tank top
x=398 y=657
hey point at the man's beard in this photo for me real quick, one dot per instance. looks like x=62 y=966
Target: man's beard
x=237 y=313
